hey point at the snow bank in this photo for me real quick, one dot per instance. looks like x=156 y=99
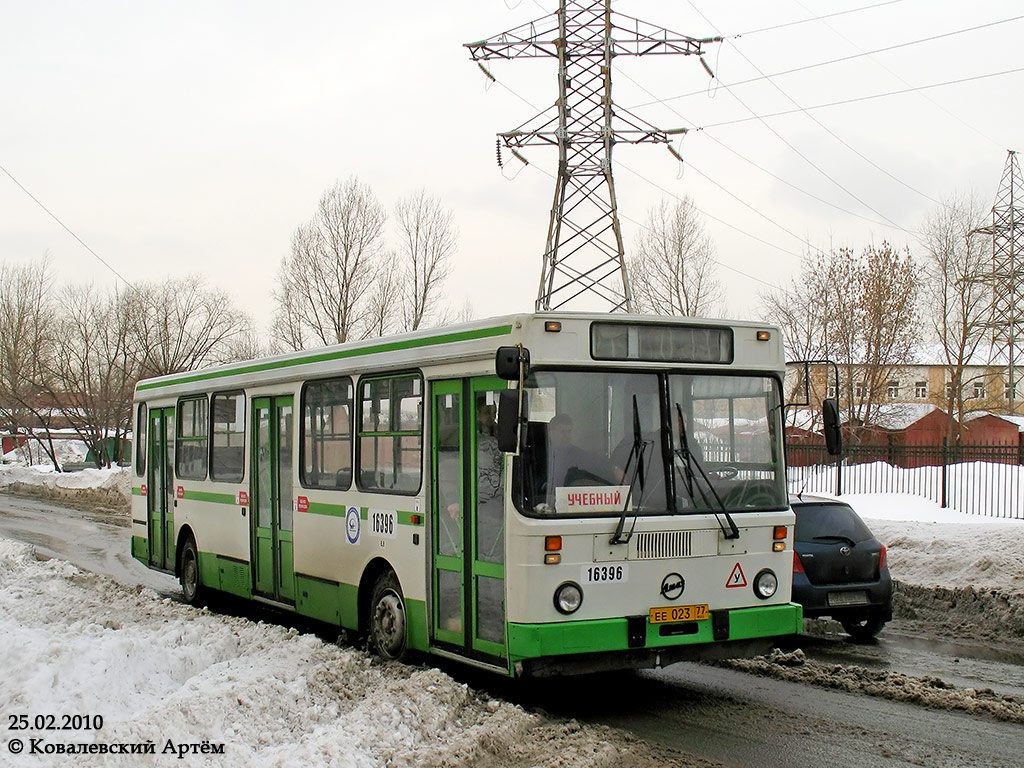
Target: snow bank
x=156 y=670
x=896 y=686
x=108 y=489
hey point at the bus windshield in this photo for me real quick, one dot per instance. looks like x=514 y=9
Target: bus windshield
x=603 y=442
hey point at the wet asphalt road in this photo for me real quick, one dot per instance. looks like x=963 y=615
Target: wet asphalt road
x=718 y=714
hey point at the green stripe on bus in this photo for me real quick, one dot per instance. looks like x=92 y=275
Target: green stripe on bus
x=406 y=518
x=341 y=354
x=213 y=498
x=320 y=508
x=339 y=510
x=136 y=491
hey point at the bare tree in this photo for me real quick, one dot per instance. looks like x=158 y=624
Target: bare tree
x=382 y=314
x=885 y=317
x=958 y=290
x=28 y=335
x=182 y=324
x=797 y=310
x=246 y=345
x=860 y=311
x=93 y=372
x=673 y=268
x=427 y=241
x=333 y=262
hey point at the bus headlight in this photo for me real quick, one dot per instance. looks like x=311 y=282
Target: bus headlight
x=765 y=584
x=568 y=597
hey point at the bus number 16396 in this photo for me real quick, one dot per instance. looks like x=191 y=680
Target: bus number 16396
x=603 y=574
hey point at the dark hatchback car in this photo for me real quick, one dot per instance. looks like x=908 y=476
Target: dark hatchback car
x=839 y=567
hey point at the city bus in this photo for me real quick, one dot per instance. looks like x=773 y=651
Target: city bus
x=536 y=494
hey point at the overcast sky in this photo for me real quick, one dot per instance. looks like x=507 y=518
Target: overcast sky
x=183 y=137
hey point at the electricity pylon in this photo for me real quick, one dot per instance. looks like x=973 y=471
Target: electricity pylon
x=1007 y=233
x=584 y=252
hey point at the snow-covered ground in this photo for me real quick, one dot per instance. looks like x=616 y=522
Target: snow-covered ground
x=161 y=673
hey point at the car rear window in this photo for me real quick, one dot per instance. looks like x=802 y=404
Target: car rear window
x=816 y=520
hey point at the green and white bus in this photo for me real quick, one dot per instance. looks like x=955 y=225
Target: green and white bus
x=534 y=494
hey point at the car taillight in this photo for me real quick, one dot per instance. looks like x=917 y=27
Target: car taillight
x=881 y=560
x=798 y=567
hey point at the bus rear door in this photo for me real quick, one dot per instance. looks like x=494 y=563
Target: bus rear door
x=160 y=493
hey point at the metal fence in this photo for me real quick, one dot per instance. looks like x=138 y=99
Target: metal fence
x=976 y=479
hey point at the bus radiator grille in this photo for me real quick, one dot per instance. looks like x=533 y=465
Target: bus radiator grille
x=662 y=545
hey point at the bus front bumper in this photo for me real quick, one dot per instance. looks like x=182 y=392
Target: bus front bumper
x=632 y=642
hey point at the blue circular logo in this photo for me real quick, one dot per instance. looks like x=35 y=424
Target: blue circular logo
x=352 y=525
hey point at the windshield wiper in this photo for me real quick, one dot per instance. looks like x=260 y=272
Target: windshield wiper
x=689 y=461
x=637 y=451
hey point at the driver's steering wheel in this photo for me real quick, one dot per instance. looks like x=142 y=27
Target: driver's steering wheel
x=724 y=473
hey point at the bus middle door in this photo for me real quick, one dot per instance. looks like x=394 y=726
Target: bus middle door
x=272 y=552
x=468 y=571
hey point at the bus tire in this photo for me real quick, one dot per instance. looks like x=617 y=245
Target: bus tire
x=388 y=623
x=188 y=577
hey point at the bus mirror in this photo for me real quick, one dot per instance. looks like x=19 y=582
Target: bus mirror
x=508 y=420
x=507 y=361
x=833 y=430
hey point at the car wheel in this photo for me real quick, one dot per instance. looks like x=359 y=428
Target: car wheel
x=863 y=629
x=191 y=586
x=388 y=624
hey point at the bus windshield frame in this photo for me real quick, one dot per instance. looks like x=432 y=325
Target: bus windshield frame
x=599 y=442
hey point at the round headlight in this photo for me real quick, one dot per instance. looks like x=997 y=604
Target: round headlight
x=568 y=597
x=765 y=584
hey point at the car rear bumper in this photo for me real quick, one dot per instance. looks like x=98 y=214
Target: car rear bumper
x=847 y=600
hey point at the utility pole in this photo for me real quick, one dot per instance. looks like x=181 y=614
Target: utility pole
x=1007 y=233
x=584 y=252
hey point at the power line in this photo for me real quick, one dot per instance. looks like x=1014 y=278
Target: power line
x=676 y=197
x=751 y=162
x=67 y=229
x=924 y=96
x=828 y=130
x=806 y=159
x=861 y=98
x=759 y=167
x=827 y=16
x=839 y=60
x=720 y=221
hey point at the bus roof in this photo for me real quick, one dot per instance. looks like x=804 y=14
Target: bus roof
x=477 y=339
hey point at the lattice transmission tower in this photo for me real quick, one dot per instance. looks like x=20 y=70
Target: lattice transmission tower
x=584 y=253
x=1007 y=233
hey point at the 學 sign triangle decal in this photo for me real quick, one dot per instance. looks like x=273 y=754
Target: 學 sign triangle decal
x=736 y=578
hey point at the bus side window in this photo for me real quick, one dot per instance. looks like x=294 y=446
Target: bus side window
x=391 y=433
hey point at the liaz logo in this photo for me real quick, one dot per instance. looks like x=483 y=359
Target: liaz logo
x=672 y=586
x=352 y=525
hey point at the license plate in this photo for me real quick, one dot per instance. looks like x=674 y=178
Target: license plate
x=673 y=613
x=847 y=598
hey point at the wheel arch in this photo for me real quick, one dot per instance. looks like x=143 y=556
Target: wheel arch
x=371 y=573
x=184 y=535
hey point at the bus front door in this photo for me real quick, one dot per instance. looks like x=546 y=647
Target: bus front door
x=468 y=528
x=272 y=557
x=160 y=493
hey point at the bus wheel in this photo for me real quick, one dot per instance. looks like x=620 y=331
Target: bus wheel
x=388 y=623
x=189 y=576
